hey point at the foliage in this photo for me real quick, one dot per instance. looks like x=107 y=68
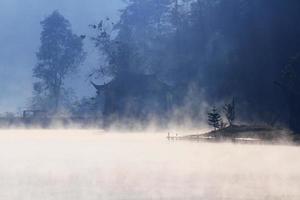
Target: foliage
x=214 y=118
x=229 y=111
x=290 y=75
x=60 y=54
x=134 y=43
x=221 y=47
x=290 y=83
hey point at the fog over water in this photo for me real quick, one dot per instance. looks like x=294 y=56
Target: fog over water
x=229 y=69
x=90 y=165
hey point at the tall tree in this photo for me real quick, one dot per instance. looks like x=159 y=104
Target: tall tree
x=218 y=48
x=214 y=118
x=290 y=83
x=134 y=43
x=60 y=54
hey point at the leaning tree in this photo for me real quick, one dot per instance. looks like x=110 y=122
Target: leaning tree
x=229 y=111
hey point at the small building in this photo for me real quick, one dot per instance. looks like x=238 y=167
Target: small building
x=136 y=96
x=34 y=114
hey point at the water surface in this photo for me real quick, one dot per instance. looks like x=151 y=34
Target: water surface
x=93 y=165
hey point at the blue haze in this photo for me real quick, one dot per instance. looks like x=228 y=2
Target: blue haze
x=19 y=38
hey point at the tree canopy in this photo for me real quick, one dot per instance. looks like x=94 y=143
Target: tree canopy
x=60 y=54
x=219 y=48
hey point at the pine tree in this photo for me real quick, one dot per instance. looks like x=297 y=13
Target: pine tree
x=214 y=118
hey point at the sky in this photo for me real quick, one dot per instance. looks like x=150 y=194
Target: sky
x=20 y=39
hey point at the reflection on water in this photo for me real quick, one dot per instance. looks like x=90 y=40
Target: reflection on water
x=92 y=165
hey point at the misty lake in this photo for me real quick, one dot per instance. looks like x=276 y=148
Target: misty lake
x=93 y=165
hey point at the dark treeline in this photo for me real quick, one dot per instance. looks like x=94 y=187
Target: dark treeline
x=167 y=57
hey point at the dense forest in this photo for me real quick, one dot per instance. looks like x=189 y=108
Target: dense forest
x=175 y=59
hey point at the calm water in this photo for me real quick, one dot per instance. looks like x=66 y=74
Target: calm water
x=92 y=165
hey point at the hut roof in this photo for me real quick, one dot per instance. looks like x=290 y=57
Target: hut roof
x=136 y=83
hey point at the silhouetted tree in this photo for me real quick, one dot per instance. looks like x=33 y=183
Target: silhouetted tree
x=60 y=54
x=222 y=47
x=134 y=44
x=214 y=118
x=117 y=53
x=290 y=83
x=229 y=111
